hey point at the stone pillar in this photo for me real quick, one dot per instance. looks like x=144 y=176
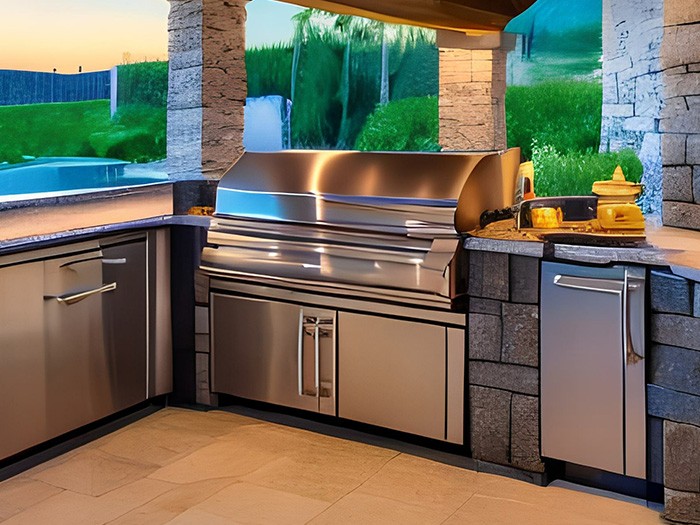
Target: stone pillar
x=207 y=86
x=504 y=360
x=472 y=90
x=633 y=88
x=680 y=118
x=224 y=84
x=184 y=132
x=673 y=393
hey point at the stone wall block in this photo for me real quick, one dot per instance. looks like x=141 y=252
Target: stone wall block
x=681 y=115
x=681 y=12
x=640 y=124
x=484 y=337
x=524 y=279
x=185 y=59
x=696 y=184
x=649 y=92
x=515 y=378
x=681 y=457
x=682 y=85
x=521 y=328
x=655 y=446
x=681 y=215
x=682 y=507
x=679 y=46
x=490 y=424
x=696 y=300
x=525 y=433
x=670 y=293
x=185 y=14
x=488 y=275
x=693 y=148
x=665 y=403
x=675 y=368
x=185 y=88
x=676 y=330
x=479 y=305
x=673 y=149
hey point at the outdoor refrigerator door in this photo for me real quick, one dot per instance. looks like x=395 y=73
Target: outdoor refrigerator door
x=582 y=365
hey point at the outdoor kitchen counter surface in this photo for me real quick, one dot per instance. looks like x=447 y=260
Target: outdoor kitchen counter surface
x=36 y=223
x=666 y=246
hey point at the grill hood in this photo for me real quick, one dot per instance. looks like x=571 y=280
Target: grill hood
x=376 y=223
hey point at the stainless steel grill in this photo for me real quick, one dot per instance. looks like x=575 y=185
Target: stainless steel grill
x=374 y=225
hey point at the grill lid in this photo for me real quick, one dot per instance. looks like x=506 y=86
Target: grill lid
x=409 y=192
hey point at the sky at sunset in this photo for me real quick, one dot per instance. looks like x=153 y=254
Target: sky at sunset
x=39 y=35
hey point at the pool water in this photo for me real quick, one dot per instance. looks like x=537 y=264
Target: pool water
x=70 y=174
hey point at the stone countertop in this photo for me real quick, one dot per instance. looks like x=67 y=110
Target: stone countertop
x=36 y=222
x=666 y=246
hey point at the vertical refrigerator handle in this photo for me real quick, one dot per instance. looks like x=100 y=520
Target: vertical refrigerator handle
x=632 y=356
x=317 y=361
x=300 y=355
x=324 y=328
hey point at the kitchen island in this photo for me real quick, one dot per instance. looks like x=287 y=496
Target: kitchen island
x=502 y=282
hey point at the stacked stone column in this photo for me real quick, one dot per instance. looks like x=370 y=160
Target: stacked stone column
x=207 y=86
x=504 y=359
x=674 y=394
x=472 y=92
x=680 y=118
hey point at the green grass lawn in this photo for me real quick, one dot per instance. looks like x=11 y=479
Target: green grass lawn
x=83 y=129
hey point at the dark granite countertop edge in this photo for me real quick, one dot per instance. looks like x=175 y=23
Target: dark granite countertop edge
x=646 y=255
x=45 y=240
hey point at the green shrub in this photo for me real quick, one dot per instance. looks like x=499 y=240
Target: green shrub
x=410 y=124
x=269 y=70
x=561 y=113
x=417 y=72
x=573 y=173
x=143 y=83
x=48 y=130
x=137 y=134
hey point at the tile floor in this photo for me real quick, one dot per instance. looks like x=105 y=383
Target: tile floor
x=185 y=467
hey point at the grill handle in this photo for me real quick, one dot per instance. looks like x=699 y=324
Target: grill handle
x=76 y=298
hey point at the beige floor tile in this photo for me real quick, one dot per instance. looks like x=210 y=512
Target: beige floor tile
x=418 y=481
x=199 y=517
x=583 y=506
x=368 y=509
x=172 y=503
x=69 y=508
x=213 y=423
x=20 y=493
x=246 y=503
x=93 y=472
x=222 y=459
x=501 y=511
x=157 y=445
x=319 y=467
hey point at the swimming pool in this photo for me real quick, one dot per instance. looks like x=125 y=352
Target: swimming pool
x=51 y=175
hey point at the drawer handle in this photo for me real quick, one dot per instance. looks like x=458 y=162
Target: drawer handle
x=121 y=260
x=76 y=298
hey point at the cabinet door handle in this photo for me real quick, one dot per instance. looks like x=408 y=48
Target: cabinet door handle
x=76 y=298
x=590 y=285
x=317 y=359
x=120 y=260
x=300 y=355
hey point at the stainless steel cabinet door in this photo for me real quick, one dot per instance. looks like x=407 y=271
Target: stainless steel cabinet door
x=256 y=349
x=125 y=322
x=22 y=359
x=391 y=373
x=582 y=366
x=77 y=366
